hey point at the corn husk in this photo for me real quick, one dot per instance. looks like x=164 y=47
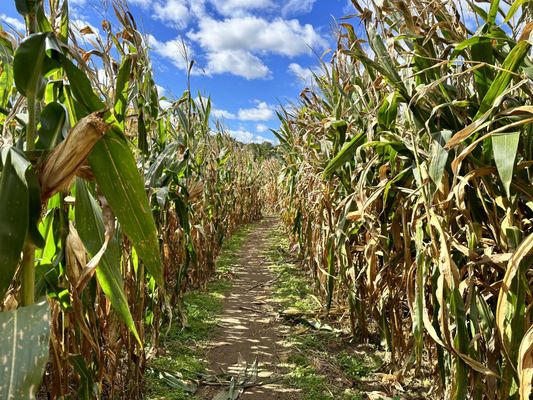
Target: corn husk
x=64 y=162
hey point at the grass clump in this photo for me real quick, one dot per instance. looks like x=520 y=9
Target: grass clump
x=305 y=377
x=184 y=355
x=292 y=289
x=357 y=366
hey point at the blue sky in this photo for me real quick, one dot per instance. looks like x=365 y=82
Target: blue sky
x=251 y=55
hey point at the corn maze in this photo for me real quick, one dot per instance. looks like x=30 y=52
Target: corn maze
x=403 y=178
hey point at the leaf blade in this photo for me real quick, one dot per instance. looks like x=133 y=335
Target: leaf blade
x=505 y=148
x=116 y=173
x=504 y=76
x=24 y=350
x=14 y=216
x=90 y=226
x=344 y=155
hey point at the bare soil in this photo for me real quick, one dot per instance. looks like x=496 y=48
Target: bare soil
x=250 y=326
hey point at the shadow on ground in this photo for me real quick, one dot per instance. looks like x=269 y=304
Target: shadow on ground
x=249 y=325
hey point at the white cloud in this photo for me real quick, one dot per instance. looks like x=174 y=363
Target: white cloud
x=306 y=75
x=293 y=7
x=160 y=90
x=173 y=11
x=241 y=7
x=165 y=104
x=235 y=45
x=222 y=114
x=197 y=8
x=14 y=22
x=237 y=62
x=253 y=34
x=103 y=79
x=181 y=11
x=244 y=136
x=261 y=139
x=238 y=43
x=261 y=128
x=262 y=112
x=175 y=50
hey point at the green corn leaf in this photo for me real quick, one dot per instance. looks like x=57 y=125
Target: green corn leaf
x=478 y=10
x=184 y=120
x=86 y=386
x=153 y=107
x=43 y=25
x=372 y=65
x=25 y=7
x=116 y=173
x=82 y=90
x=52 y=127
x=486 y=318
x=142 y=134
x=63 y=27
x=344 y=155
x=493 y=11
x=504 y=76
x=154 y=175
x=468 y=43
x=505 y=147
x=461 y=341
x=14 y=215
x=90 y=226
x=207 y=112
x=388 y=111
x=122 y=90
x=36 y=56
x=6 y=75
x=34 y=208
x=384 y=60
x=46 y=228
x=514 y=8
x=439 y=157
x=24 y=349
x=483 y=53
x=183 y=214
x=279 y=136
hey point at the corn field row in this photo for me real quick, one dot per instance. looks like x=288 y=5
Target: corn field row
x=407 y=183
x=117 y=205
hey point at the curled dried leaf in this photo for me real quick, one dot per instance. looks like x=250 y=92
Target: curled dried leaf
x=76 y=255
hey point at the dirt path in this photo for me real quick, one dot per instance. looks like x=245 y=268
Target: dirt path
x=249 y=325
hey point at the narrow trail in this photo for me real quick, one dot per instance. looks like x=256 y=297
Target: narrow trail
x=249 y=324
